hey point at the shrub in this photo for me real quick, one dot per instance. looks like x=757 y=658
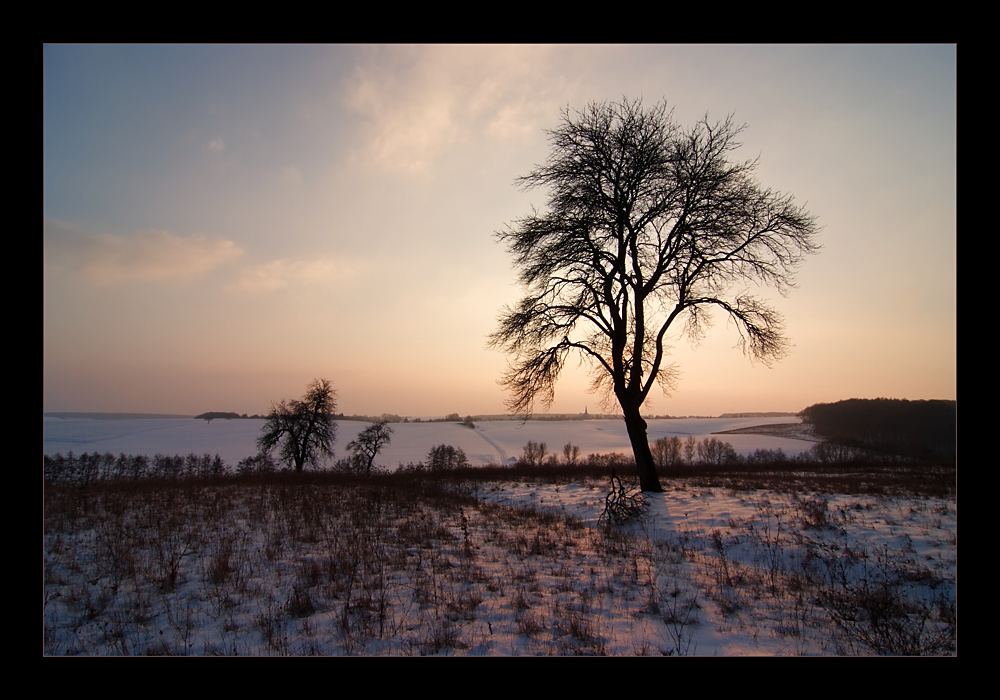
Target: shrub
x=260 y=463
x=96 y=467
x=370 y=442
x=571 y=452
x=533 y=454
x=714 y=451
x=611 y=460
x=354 y=464
x=762 y=456
x=883 y=618
x=667 y=451
x=690 y=445
x=446 y=457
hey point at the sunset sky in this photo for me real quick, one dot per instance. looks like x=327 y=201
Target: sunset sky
x=222 y=224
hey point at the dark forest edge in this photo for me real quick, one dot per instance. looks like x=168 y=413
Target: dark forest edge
x=924 y=429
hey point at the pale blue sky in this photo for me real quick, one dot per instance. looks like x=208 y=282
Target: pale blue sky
x=224 y=223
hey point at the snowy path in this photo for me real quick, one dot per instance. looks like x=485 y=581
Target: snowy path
x=500 y=451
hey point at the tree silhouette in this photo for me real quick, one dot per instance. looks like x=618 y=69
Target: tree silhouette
x=446 y=457
x=305 y=429
x=648 y=228
x=370 y=441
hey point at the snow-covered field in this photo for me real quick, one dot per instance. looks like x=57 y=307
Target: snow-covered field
x=298 y=569
x=738 y=573
x=492 y=442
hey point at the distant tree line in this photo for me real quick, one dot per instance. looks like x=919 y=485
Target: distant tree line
x=88 y=415
x=96 y=467
x=856 y=430
x=224 y=415
x=918 y=429
x=667 y=451
x=85 y=469
x=675 y=451
x=385 y=417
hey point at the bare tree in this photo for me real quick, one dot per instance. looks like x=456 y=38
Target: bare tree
x=571 y=453
x=370 y=441
x=648 y=228
x=533 y=454
x=667 y=451
x=305 y=429
x=447 y=457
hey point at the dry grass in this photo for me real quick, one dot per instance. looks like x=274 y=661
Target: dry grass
x=419 y=564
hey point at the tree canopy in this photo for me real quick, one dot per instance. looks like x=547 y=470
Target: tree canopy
x=921 y=429
x=305 y=429
x=370 y=442
x=648 y=229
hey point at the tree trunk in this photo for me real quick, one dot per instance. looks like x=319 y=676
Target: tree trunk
x=636 y=426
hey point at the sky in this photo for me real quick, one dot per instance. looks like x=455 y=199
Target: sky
x=223 y=224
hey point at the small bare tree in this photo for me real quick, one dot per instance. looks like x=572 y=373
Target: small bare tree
x=714 y=451
x=690 y=447
x=533 y=453
x=667 y=451
x=571 y=453
x=446 y=457
x=370 y=442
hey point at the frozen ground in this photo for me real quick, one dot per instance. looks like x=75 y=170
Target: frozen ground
x=312 y=571
x=748 y=577
x=491 y=442
x=284 y=570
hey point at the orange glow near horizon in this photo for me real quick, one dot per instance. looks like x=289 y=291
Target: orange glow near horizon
x=223 y=224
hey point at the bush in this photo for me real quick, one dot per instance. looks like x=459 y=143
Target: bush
x=94 y=468
x=446 y=457
x=260 y=463
x=714 y=451
x=667 y=451
x=879 y=613
x=612 y=460
x=354 y=464
x=370 y=442
x=762 y=456
x=533 y=454
x=571 y=453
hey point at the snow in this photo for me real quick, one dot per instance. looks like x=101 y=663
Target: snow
x=708 y=571
x=491 y=442
x=912 y=534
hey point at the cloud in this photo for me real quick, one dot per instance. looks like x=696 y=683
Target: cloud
x=147 y=256
x=419 y=101
x=284 y=273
